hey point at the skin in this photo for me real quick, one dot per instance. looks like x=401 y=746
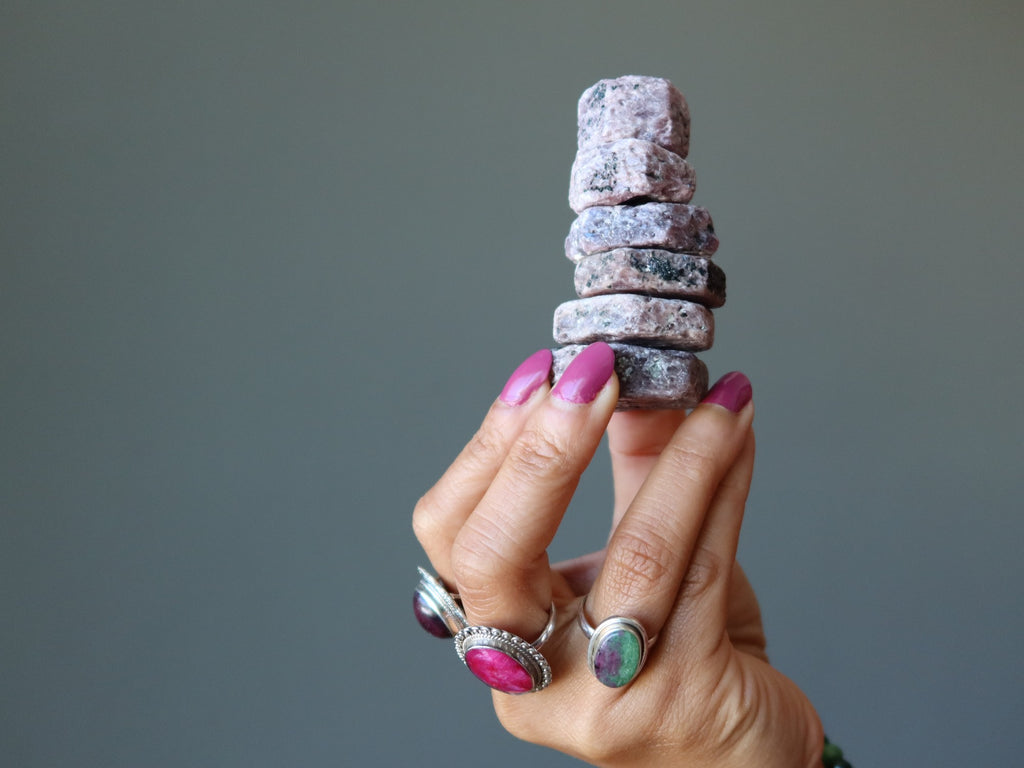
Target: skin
x=707 y=695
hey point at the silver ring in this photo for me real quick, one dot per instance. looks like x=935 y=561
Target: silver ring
x=545 y=633
x=617 y=650
x=504 y=661
x=437 y=610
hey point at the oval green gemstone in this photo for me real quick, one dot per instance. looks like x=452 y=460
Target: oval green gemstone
x=616 y=660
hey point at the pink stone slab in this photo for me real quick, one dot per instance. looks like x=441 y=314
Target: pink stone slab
x=634 y=107
x=628 y=169
x=634 y=319
x=652 y=272
x=649 y=378
x=498 y=670
x=667 y=226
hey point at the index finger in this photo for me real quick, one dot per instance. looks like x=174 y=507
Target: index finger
x=442 y=511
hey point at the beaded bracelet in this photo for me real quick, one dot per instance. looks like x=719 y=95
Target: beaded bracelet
x=832 y=756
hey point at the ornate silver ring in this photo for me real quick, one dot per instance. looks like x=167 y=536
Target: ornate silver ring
x=504 y=661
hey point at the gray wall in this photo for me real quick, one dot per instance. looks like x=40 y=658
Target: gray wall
x=263 y=267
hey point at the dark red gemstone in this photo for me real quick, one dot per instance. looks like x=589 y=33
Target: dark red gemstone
x=428 y=618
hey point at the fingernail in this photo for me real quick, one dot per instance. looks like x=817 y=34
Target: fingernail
x=733 y=391
x=527 y=378
x=586 y=374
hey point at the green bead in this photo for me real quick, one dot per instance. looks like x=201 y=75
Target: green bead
x=831 y=755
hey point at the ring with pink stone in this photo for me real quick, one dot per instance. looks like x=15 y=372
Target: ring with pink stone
x=504 y=661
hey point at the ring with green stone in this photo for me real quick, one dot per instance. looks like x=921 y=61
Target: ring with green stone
x=617 y=650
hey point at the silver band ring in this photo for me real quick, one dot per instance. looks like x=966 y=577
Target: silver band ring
x=504 y=661
x=617 y=650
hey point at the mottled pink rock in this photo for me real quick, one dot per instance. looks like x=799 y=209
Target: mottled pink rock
x=498 y=670
x=667 y=226
x=627 y=170
x=634 y=107
x=649 y=378
x=635 y=319
x=653 y=272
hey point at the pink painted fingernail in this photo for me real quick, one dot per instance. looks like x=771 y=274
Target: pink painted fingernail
x=527 y=378
x=732 y=391
x=586 y=374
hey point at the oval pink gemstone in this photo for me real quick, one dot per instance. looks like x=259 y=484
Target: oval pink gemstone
x=499 y=670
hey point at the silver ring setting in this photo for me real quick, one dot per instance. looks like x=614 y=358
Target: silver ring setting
x=437 y=610
x=504 y=661
x=617 y=650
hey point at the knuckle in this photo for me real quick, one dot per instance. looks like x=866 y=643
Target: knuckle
x=538 y=454
x=693 y=460
x=639 y=563
x=476 y=560
x=486 y=448
x=591 y=733
x=424 y=518
x=705 y=568
x=602 y=745
x=519 y=721
x=601 y=740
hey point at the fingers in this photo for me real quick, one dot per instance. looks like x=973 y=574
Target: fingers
x=700 y=478
x=703 y=612
x=443 y=510
x=635 y=441
x=498 y=557
x=580 y=572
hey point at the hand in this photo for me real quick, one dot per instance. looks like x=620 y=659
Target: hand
x=707 y=695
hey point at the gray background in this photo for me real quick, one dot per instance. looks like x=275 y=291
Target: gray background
x=263 y=267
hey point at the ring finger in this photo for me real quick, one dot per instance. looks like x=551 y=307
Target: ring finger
x=650 y=555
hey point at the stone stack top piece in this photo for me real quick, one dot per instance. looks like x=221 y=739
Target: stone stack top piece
x=634 y=107
x=629 y=170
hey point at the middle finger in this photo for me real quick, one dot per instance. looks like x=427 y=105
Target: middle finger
x=499 y=558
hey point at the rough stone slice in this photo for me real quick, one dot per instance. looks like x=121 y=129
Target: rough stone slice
x=652 y=272
x=635 y=319
x=634 y=107
x=609 y=174
x=649 y=378
x=668 y=226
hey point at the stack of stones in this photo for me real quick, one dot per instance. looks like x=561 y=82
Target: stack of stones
x=643 y=270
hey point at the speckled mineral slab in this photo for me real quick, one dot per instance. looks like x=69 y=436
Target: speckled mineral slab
x=628 y=169
x=634 y=107
x=648 y=377
x=634 y=319
x=652 y=272
x=667 y=226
